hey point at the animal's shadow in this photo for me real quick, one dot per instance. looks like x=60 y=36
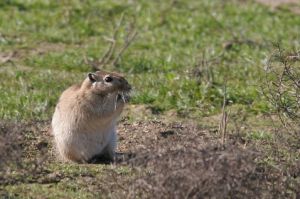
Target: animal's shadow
x=118 y=159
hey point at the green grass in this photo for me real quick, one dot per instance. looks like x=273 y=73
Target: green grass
x=75 y=178
x=172 y=40
x=49 y=191
x=259 y=135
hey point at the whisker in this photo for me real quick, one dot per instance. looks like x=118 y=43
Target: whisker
x=116 y=101
x=123 y=98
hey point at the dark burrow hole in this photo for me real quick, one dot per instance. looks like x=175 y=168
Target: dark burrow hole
x=119 y=158
x=167 y=133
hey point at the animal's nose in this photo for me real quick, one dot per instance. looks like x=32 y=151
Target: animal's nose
x=128 y=86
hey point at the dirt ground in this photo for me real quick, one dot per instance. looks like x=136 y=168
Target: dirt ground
x=172 y=160
x=292 y=5
x=276 y=3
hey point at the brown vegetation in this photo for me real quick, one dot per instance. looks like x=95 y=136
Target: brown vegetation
x=166 y=160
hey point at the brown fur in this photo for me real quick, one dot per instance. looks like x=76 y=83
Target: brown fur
x=84 y=119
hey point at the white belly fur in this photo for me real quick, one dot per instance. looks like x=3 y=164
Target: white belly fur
x=81 y=144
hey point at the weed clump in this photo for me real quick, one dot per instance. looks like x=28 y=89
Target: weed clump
x=282 y=85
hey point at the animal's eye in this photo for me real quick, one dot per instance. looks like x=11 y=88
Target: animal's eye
x=108 y=79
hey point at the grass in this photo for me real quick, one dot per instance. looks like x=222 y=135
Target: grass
x=260 y=135
x=173 y=39
x=183 y=54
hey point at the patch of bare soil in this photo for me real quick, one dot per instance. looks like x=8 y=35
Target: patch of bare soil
x=173 y=160
x=275 y=3
x=24 y=149
x=22 y=53
x=185 y=161
x=293 y=5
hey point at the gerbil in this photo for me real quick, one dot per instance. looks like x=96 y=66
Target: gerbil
x=84 y=121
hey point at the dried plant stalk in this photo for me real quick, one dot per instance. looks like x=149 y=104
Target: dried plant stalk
x=282 y=85
x=223 y=121
x=112 y=55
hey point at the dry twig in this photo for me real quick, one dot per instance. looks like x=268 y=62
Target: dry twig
x=282 y=85
x=111 y=57
x=223 y=121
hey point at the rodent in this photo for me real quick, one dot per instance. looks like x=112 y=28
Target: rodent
x=84 y=120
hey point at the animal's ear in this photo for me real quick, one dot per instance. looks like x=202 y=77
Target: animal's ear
x=92 y=77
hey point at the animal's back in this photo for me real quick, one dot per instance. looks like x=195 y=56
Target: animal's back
x=78 y=137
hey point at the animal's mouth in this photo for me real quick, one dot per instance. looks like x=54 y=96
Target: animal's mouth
x=123 y=97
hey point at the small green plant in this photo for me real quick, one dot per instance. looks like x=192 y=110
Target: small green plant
x=259 y=135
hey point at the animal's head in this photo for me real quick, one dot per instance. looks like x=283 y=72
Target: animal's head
x=102 y=83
